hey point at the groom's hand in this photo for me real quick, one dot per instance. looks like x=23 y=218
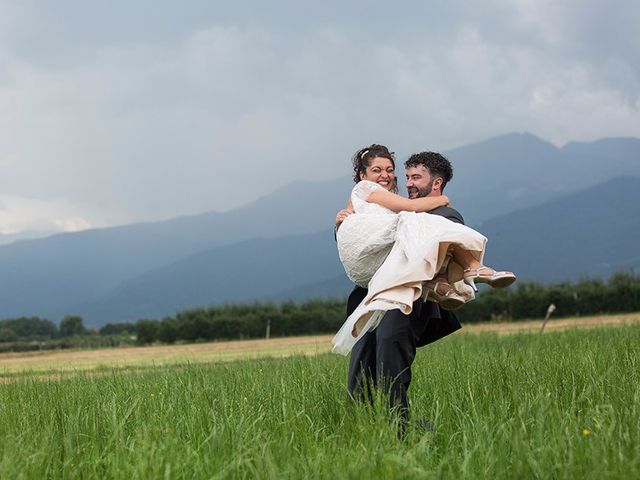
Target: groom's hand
x=342 y=215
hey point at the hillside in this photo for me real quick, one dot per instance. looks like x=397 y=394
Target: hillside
x=249 y=270
x=44 y=276
x=518 y=170
x=589 y=233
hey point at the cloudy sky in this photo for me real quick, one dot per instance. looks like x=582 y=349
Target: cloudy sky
x=118 y=111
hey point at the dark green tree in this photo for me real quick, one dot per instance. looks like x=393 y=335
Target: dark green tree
x=168 y=330
x=31 y=327
x=117 y=328
x=147 y=331
x=7 y=335
x=72 y=325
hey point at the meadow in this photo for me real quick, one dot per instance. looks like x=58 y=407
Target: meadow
x=563 y=404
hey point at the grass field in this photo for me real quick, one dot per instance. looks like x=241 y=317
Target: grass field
x=559 y=405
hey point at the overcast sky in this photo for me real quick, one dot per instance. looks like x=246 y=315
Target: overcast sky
x=118 y=111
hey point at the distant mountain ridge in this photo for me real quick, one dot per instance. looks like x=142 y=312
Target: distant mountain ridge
x=248 y=270
x=45 y=275
x=7 y=238
x=519 y=170
x=52 y=276
x=592 y=233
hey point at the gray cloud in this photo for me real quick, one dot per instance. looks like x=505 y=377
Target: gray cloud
x=146 y=110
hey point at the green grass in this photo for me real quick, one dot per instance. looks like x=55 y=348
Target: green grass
x=558 y=405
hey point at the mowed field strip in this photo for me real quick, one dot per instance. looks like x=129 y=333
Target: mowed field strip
x=122 y=357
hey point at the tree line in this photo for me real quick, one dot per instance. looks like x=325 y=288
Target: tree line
x=34 y=328
x=34 y=333
x=530 y=300
x=526 y=300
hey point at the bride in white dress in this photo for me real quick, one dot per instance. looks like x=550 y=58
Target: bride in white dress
x=400 y=253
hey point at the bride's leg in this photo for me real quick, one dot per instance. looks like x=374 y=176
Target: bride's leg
x=464 y=258
x=474 y=271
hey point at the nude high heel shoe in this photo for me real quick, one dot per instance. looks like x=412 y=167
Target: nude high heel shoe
x=444 y=294
x=495 y=279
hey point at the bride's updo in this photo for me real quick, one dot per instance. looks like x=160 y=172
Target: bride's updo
x=362 y=159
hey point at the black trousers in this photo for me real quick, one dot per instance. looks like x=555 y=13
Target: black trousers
x=382 y=359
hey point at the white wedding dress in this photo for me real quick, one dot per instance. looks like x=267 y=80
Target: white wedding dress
x=391 y=254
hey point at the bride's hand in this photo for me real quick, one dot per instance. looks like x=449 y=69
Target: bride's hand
x=445 y=201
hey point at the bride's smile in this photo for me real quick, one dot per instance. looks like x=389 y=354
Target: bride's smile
x=380 y=171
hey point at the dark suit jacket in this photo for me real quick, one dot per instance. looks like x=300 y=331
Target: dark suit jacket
x=437 y=323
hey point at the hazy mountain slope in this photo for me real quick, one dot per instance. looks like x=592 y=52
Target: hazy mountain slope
x=339 y=286
x=516 y=171
x=622 y=153
x=45 y=275
x=592 y=232
x=7 y=238
x=253 y=269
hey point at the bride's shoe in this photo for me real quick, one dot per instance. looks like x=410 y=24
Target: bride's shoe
x=495 y=279
x=444 y=294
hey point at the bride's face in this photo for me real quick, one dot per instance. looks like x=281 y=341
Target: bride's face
x=380 y=171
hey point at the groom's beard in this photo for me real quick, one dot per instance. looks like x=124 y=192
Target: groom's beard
x=415 y=192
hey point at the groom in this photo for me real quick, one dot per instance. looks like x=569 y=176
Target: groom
x=383 y=358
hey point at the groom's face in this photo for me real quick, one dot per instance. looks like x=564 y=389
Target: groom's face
x=419 y=182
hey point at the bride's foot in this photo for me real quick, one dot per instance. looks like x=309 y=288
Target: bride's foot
x=489 y=276
x=444 y=293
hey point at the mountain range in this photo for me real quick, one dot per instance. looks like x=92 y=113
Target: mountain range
x=519 y=170
x=530 y=198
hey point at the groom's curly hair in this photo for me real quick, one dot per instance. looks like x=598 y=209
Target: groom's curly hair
x=437 y=164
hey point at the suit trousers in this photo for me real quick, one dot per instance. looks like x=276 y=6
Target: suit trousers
x=382 y=359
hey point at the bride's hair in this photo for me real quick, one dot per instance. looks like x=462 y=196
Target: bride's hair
x=363 y=157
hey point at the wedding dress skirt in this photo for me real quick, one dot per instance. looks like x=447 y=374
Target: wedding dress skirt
x=392 y=254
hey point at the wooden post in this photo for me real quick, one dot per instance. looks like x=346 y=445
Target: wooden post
x=268 y=333
x=550 y=310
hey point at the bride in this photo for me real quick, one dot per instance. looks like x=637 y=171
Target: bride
x=401 y=253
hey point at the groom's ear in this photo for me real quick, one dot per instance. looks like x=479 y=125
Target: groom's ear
x=437 y=183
